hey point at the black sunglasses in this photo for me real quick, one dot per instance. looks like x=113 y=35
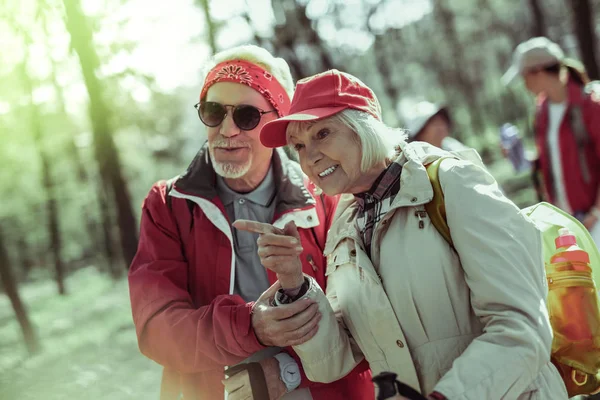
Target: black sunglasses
x=245 y=117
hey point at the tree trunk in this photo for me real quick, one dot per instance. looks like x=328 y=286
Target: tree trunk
x=583 y=24
x=47 y=181
x=445 y=18
x=313 y=38
x=24 y=255
x=379 y=49
x=107 y=235
x=91 y=222
x=104 y=145
x=210 y=26
x=292 y=28
x=72 y=150
x=538 y=27
x=10 y=288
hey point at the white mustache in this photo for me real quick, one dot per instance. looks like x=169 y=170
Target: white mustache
x=228 y=144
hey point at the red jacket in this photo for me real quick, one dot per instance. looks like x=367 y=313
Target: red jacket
x=581 y=195
x=182 y=277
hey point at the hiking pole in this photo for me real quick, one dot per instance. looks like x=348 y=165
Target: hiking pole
x=389 y=387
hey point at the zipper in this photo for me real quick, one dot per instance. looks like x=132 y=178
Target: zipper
x=421 y=214
x=570 y=281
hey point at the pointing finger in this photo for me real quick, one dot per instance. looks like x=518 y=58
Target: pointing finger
x=256 y=227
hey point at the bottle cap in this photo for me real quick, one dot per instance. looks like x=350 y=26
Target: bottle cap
x=565 y=238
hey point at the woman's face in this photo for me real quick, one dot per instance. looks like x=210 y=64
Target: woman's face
x=534 y=81
x=436 y=130
x=330 y=155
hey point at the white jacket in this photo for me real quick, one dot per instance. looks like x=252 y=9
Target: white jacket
x=471 y=324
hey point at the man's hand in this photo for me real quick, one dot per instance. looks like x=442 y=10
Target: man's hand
x=278 y=250
x=238 y=387
x=287 y=324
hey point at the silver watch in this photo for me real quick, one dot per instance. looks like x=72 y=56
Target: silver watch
x=289 y=372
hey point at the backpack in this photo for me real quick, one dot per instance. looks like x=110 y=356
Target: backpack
x=577 y=362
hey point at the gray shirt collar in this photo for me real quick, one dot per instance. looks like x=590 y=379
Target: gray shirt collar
x=263 y=195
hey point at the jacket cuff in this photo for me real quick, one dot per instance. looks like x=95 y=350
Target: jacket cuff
x=284 y=296
x=246 y=337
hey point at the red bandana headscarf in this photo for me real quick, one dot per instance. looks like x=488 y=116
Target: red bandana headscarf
x=244 y=72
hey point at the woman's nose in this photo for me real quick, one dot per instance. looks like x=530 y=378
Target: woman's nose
x=314 y=155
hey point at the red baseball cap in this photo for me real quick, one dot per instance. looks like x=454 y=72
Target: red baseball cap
x=320 y=96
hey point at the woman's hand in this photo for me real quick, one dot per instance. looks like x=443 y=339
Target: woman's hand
x=287 y=324
x=278 y=250
x=591 y=219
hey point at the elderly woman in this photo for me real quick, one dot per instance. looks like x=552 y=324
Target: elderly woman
x=461 y=322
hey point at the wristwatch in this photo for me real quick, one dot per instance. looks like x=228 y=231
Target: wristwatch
x=289 y=372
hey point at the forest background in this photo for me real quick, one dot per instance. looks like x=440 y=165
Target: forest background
x=96 y=104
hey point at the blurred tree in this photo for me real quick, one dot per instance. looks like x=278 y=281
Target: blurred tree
x=297 y=41
x=538 y=27
x=210 y=27
x=456 y=69
x=23 y=254
x=35 y=120
x=84 y=178
x=583 y=25
x=105 y=149
x=9 y=285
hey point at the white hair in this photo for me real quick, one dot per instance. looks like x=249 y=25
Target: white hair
x=377 y=140
x=276 y=66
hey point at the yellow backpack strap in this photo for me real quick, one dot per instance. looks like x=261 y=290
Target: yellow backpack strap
x=436 y=208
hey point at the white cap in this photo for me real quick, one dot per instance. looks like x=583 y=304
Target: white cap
x=534 y=53
x=564 y=232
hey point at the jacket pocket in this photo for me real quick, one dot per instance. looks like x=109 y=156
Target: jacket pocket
x=344 y=253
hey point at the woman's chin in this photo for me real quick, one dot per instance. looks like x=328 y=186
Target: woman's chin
x=330 y=190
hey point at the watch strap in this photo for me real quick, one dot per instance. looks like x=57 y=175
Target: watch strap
x=283 y=296
x=258 y=383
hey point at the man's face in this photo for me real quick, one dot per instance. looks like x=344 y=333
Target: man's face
x=236 y=153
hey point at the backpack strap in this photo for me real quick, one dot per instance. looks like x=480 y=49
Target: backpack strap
x=436 y=208
x=582 y=138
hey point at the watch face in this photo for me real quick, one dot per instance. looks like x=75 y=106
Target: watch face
x=291 y=375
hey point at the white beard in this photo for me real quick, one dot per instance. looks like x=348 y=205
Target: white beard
x=230 y=170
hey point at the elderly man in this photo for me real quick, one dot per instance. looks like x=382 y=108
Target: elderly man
x=201 y=300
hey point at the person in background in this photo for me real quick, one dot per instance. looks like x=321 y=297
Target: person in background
x=431 y=123
x=201 y=299
x=463 y=321
x=567 y=128
x=513 y=149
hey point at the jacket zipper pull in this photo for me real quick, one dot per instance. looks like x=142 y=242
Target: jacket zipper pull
x=421 y=215
x=309 y=258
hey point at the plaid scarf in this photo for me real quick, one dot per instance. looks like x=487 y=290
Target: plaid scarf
x=376 y=202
